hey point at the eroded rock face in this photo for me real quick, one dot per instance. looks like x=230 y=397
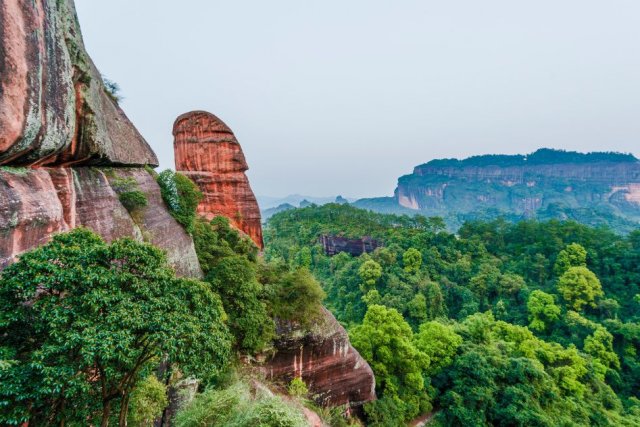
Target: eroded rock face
x=37 y=203
x=207 y=151
x=333 y=370
x=333 y=245
x=54 y=109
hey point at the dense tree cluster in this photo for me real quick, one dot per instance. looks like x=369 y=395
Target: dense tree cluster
x=532 y=323
x=82 y=322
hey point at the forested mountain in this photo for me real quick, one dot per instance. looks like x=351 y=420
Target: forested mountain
x=592 y=188
x=530 y=324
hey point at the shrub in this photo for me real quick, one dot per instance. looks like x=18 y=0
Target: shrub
x=234 y=407
x=133 y=200
x=297 y=296
x=298 y=388
x=128 y=193
x=147 y=402
x=213 y=407
x=234 y=279
x=216 y=239
x=181 y=195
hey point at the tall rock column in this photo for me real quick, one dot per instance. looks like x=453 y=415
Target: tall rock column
x=207 y=151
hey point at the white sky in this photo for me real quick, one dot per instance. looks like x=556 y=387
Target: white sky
x=344 y=96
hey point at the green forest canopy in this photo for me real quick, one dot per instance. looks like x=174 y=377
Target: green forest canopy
x=532 y=323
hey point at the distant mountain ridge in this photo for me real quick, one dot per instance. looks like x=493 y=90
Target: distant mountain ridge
x=599 y=188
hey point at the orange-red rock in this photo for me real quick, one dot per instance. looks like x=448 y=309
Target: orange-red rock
x=37 y=203
x=333 y=370
x=53 y=105
x=207 y=151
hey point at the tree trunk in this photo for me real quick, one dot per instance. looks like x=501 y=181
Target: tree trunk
x=106 y=411
x=124 y=410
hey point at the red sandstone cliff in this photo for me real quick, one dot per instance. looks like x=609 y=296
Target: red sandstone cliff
x=63 y=144
x=55 y=112
x=333 y=370
x=37 y=203
x=54 y=108
x=207 y=151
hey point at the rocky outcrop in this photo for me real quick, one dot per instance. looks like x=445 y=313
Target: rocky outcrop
x=333 y=245
x=593 y=188
x=54 y=108
x=333 y=370
x=207 y=151
x=37 y=203
x=56 y=120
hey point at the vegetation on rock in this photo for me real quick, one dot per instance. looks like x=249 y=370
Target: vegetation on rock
x=528 y=323
x=181 y=196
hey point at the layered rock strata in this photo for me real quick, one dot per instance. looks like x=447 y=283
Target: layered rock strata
x=333 y=245
x=333 y=370
x=207 y=151
x=54 y=107
x=37 y=203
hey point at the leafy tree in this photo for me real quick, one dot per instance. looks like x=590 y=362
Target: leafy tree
x=600 y=346
x=234 y=279
x=84 y=321
x=412 y=260
x=297 y=388
x=542 y=310
x=439 y=342
x=370 y=272
x=297 y=296
x=574 y=255
x=385 y=340
x=580 y=287
x=216 y=239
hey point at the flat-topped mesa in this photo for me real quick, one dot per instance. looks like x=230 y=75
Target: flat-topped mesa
x=207 y=151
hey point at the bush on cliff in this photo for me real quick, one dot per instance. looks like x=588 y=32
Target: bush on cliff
x=234 y=279
x=181 y=195
x=82 y=321
x=129 y=194
x=216 y=239
x=236 y=407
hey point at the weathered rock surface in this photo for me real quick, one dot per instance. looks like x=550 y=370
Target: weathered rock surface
x=333 y=370
x=333 y=245
x=207 y=151
x=37 y=203
x=54 y=109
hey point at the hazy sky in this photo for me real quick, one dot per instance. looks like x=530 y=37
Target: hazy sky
x=344 y=96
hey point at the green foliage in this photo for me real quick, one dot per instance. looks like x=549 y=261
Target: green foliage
x=216 y=239
x=439 y=342
x=574 y=255
x=297 y=388
x=128 y=194
x=412 y=260
x=112 y=89
x=133 y=200
x=181 y=195
x=148 y=400
x=487 y=310
x=235 y=407
x=370 y=271
x=83 y=321
x=542 y=310
x=385 y=340
x=580 y=287
x=234 y=279
x=297 y=295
